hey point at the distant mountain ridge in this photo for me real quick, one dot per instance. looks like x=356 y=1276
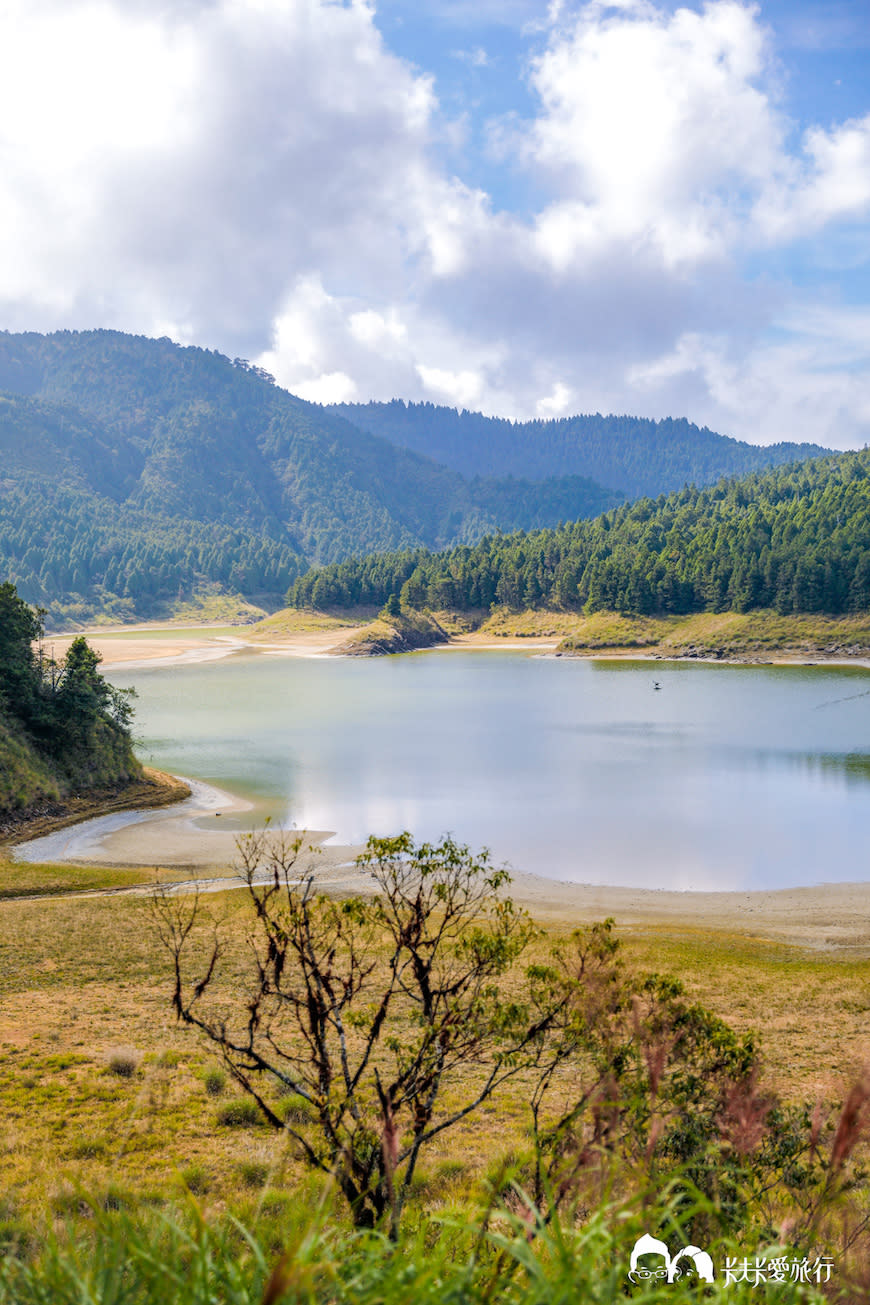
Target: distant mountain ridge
x=134 y=472
x=633 y=454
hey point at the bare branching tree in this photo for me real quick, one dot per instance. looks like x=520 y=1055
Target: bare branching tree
x=367 y=1026
x=386 y=1015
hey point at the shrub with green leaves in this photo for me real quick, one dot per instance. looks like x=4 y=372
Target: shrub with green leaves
x=371 y=1026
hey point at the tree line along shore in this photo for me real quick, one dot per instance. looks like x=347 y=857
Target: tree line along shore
x=794 y=540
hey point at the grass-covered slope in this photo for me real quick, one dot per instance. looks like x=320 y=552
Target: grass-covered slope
x=795 y=539
x=26 y=779
x=135 y=473
x=633 y=454
x=394 y=632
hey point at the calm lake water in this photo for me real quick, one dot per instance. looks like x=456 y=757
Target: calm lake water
x=726 y=777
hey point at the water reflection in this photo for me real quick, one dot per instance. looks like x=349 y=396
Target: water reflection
x=726 y=777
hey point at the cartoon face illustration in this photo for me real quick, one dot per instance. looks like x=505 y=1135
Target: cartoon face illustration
x=691 y=1262
x=651 y=1261
x=649 y=1267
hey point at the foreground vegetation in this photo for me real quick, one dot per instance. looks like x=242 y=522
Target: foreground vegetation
x=794 y=540
x=458 y=1257
x=130 y=1147
x=372 y=1027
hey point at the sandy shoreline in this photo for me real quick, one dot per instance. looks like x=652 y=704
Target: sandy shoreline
x=198 y=835
x=190 y=836
x=173 y=835
x=824 y=917
x=133 y=647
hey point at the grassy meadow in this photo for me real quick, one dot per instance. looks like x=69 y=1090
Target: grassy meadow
x=108 y=1105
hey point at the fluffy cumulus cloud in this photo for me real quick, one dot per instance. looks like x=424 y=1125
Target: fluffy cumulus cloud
x=266 y=177
x=190 y=163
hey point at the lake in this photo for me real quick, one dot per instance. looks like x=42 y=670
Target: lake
x=725 y=777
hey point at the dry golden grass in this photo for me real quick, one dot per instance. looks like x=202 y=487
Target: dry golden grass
x=389 y=634
x=85 y=982
x=82 y=981
x=22 y=879
x=729 y=634
x=290 y=621
x=808 y=1010
x=753 y=635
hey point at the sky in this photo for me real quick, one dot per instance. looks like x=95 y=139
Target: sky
x=524 y=208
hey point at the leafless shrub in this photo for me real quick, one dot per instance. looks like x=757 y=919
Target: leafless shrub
x=365 y=1009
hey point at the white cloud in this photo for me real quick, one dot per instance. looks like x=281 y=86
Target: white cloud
x=652 y=129
x=375 y=329
x=329 y=387
x=557 y=404
x=830 y=182
x=808 y=381
x=194 y=166
x=475 y=58
x=460 y=389
x=264 y=176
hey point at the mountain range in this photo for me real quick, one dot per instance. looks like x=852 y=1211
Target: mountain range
x=134 y=473
x=635 y=455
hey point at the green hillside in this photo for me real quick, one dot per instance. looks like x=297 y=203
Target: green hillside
x=135 y=473
x=63 y=729
x=633 y=454
x=796 y=539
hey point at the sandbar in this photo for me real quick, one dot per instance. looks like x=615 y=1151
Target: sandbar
x=137 y=646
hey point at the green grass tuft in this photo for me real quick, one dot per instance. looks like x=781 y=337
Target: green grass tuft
x=242 y=1113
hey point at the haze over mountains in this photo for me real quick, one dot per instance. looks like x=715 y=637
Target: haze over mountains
x=135 y=473
x=633 y=454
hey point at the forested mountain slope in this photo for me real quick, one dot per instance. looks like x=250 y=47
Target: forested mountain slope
x=633 y=454
x=63 y=728
x=133 y=472
x=796 y=539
